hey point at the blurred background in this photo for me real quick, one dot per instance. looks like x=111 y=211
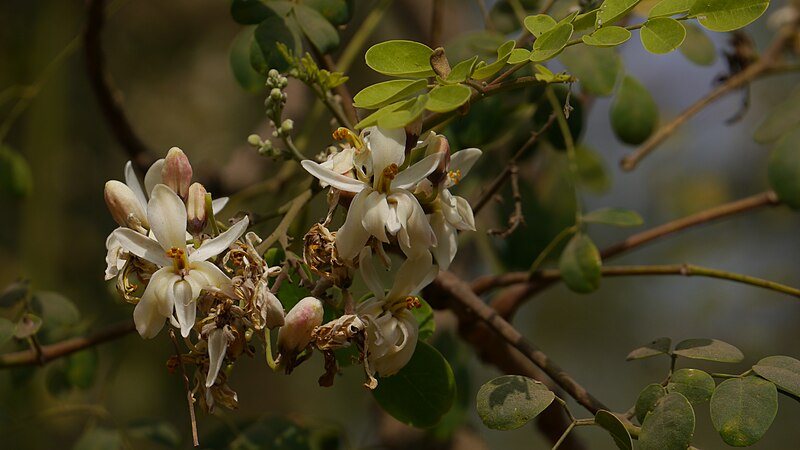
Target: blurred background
x=169 y=65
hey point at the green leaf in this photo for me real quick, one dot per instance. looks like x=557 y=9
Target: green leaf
x=400 y=59
x=634 y=114
x=607 y=37
x=592 y=171
x=7 y=328
x=669 y=8
x=597 y=69
x=611 y=423
x=156 y=431
x=659 y=346
x=648 y=399
x=421 y=392
x=56 y=309
x=424 y=316
x=97 y=438
x=462 y=70
x=337 y=12
x=447 y=98
x=697 y=47
x=696 y=385
x=16 y=180
x=382 y=94
x=503 y=53
x=264 y=55
x=539 y=24
x=670 y=425
x=373 y=118
x=27 y=326
x=662 y=35
x=586 y=20
x=784 y=371
x=405 y=113
x=242 y=69
x=250 y=12
x=519 y=55
x=782 y=118
x=783 y=169
x=272 y=433
x=580 y=264
x=551 y=43
x=510 y=401
x=317 y=29
x=727 y=15
x=613 y=10
x=742 y=409
x=709 y=350
x=614 y=216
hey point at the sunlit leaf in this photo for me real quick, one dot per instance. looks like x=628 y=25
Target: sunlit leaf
x=727 y=15
x=539 y=24
x=586 y=20
x=382 y=94
x=614 y=216
x=607 y=37
x=659 y=346
x=742 y=409
x=519 y=55
x=406 y=113
x=613 y=10
x=373 y=118
x=447 y=98
x=421 y=392
x=662 y=35
x=580 y=264
x=462 y=70
x=634 y=114
x=784 y=371
x=708 y=349
x=510 y=401
x=400 y=59
x=551 y=43
x=503 y=53
x=696 y=385
x=669 y=8
x=670 y=425
x=611 y=423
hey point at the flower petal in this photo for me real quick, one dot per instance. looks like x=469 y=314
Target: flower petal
x=148 y=315
x=412 y=275
x=185 y=308
x=388 y=146
x=217 y=347
x=352 y=236
x=153 y=176
x=213 y=247
x=446 y=240
x=374 y=215
x=368 y=273
x=163 y=282
x=416 y=172
x=416 y=235
x=167 y=216
x=465 y=212
x=219 y=203
x=206 y=275
x=464 y=160
x=334 y=179
x=133 y=183
x=142 y=246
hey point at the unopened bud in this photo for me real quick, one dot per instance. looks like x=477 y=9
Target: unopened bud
x=196 y=208
x=287 y=126
x=300 y=321
x=276 y=94
x=439 y=144
x=125 y=207
x=177 y=172
x=254 y=140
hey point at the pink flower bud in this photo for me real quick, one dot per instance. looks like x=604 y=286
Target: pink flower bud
x=196 y=208
x=125 y=207
x=299 y=322
x=177 y=172
x=439 y=144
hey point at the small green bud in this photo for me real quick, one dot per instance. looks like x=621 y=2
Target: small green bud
x=287 y=126
x=254 y=140
x=276 y=94
x=273 y=73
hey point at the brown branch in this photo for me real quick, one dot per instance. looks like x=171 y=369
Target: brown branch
x=763 y=66
x=109 y=104
x=65 y=348
x=189 y=397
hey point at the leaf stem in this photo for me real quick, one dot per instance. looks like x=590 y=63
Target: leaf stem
x=566 y=232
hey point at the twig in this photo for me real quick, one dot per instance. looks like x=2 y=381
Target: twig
x=99 y=81
x=516 y=217
x=65 y=348
x=189 y=396
x=763 y=66
x=437 y=20
x=297 y=204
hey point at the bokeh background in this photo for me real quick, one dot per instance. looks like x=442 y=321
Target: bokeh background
x=169 y=62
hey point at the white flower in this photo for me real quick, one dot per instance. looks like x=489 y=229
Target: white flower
x=183 y=273
x=452 y=213
x=383 y=204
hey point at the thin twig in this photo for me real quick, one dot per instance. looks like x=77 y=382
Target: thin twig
x=189 y=396
x=437 y=21
x=516 y=218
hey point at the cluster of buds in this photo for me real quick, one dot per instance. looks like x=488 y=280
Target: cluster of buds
x=274 y=104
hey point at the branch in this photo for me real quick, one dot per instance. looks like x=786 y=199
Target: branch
x=771 y=59
x=101 y=85
x=437 y=20
x=65 y=348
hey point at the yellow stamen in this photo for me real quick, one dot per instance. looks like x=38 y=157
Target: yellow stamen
x=179 y=260
x=385 y=178
x=343 y=134
x=413 y=302
x=455 y=176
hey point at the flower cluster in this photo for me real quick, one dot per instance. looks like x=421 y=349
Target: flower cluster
x=398 y=193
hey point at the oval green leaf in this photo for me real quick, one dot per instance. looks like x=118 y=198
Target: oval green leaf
x=666 y=8
x=580 y=264
x=316 y=28
x=242 y=69
x=373 y=118
x=784 y=371
x=648 y=399
x=586 y=20
x=697 y=47
x=539 y=24
x=614 y=216
x=551 y=43
x=742 y=409
x=613 y=10
x=611 y=423
x=662 y=35
x=783 y=169
x=382 y=94
x=447 y=98
x=405 y=114
x=607 y=37
x=400 y=59
x=510 y=401
x=670 y=425
x=727 y=15
x=782 y=118
x=519 y=55
x=709 y=350
x=264 y=55
x=462 y=70
x=503 y=54
x=696 y=385
x=634 y=115
x=421 y=392
x=597 y=69
x=659 y=346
